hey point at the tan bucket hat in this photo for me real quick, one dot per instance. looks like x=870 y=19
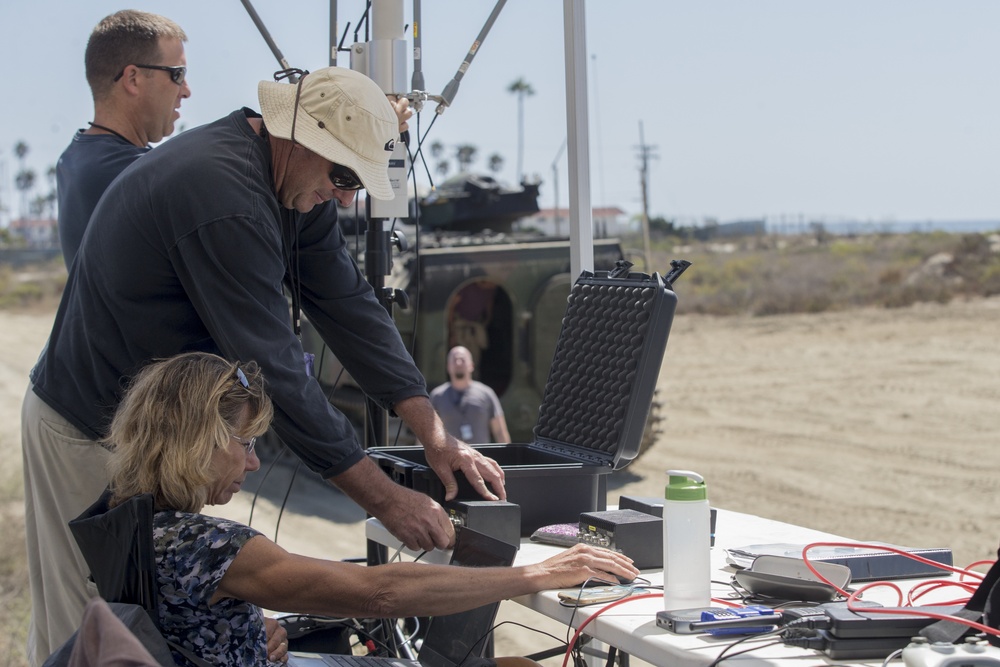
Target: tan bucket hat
x=343 y=116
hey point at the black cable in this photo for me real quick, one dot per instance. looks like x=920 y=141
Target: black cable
x=576 y=651
x=369 y=636
x=256 y=492
x=526 y=627
x=416 y=256
x=420 y=146
x=288 y=491
x=420 y=153
x=723 y=656
x=486 y=635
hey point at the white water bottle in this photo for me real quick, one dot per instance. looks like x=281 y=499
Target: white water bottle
x=687 y=579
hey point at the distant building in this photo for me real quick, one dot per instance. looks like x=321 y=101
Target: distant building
x=36 y=232
x=608 y=222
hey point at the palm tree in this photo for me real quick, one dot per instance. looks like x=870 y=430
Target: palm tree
x=25 y=178
x=466 y=155
x=51 y=197
x=25 y=182
x=522 y=89
x=495 y=162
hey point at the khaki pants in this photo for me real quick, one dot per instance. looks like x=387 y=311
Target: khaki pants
x=64 y=473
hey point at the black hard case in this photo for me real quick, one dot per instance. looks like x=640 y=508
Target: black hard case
x=594 y=406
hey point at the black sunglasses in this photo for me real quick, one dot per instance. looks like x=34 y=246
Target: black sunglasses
x=177 y=73
x=344 y=179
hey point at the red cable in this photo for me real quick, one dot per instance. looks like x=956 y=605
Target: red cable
x=853 y=597
x=924 y=587
x=572 y=643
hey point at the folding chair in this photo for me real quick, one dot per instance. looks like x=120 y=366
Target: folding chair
x=118 y=547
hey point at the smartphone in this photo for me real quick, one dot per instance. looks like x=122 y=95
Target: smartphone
x=594 y=595
x=679 y=621
x=718 y=620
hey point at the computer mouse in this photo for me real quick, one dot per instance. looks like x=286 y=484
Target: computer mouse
x=619 y=581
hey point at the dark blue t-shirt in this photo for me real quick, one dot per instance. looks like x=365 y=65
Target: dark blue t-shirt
x=85 y=170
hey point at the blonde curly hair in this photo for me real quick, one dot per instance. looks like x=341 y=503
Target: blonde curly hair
x=174 y=415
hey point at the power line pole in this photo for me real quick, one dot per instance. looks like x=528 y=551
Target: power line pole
x=646 y=152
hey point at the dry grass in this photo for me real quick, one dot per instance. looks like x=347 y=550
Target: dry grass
x=15 y=601
x=773 y=275
x=23 y=289
x=32 y=287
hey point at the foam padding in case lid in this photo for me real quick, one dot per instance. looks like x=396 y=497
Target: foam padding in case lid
x=605 y=366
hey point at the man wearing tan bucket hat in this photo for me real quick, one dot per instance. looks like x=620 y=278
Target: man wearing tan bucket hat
x=188 y=250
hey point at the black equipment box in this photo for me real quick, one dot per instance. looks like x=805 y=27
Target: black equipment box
x=636 y=534
x=594 y=406
x=497 y=518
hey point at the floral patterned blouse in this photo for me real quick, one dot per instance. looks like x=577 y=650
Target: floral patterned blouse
x=193 y=552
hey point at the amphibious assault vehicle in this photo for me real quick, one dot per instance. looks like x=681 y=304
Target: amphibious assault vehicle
x=476 y=283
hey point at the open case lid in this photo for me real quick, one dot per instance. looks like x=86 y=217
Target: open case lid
x=605 y=368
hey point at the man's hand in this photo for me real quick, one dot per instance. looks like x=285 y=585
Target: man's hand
x=446 y=454
x=277 y=640
x=412 y=517
x=403 y=111
x=481 y=471
x=417 y=521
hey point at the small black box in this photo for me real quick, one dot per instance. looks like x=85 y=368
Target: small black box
x=636 y=534
x=646 y=504
x=496 y=518
x=654 y=506
x=594 y=405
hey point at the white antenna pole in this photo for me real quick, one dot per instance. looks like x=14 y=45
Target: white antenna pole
x=581 y=226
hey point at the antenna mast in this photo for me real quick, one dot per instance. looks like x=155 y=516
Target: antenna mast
x=645 y=153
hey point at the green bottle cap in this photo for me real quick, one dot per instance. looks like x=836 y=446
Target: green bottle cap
x=685 y=485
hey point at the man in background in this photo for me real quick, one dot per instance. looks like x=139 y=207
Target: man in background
x=137 y=75
x=469 y=408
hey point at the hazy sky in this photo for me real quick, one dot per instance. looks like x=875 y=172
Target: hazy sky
x=865 y=109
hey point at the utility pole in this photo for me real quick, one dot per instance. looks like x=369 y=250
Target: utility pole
x=645 y=153
x=555 y=187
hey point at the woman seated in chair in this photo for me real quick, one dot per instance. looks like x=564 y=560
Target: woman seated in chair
x=185 y=433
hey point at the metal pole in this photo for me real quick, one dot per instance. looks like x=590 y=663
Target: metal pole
x=267 y=36
x=581 y=226
x=388 y=71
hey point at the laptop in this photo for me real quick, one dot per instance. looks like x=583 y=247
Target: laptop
x=449 y=639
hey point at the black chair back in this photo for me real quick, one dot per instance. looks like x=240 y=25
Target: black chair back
x=118 y=547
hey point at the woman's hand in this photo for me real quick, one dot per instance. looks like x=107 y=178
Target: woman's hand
x=277 y=641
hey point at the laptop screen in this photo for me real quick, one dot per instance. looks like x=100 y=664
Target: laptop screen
x=451 y=638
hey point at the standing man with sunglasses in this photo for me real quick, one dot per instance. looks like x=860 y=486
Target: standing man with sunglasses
x=136 y=71
x=136 y=68
x=190 y=250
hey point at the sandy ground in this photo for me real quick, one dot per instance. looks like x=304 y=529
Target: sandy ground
x=870 y=424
